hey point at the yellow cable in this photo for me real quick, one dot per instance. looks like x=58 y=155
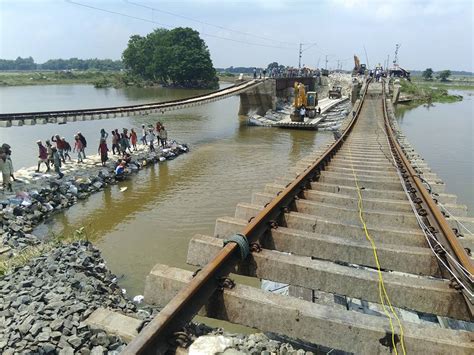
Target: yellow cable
x=379 y=271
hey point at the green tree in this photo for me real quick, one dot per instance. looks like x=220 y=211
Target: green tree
x=177 y=57
x=444 y=75
x=427 y=74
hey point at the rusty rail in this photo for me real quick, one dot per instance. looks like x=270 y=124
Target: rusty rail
x=430 y=212
x=183 y=307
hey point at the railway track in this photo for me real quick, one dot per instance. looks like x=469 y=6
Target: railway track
x=63 y=116
x=366 y=253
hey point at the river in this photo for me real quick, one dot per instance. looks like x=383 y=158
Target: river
x=444 y=136
x=164 y=206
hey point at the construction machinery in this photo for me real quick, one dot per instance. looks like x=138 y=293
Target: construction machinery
x=335 y=92
x=359 y=69
x=308 y=100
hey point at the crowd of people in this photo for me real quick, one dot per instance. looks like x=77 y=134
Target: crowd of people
x=123 y=144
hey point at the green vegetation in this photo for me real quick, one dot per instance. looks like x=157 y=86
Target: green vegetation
x=23 y=257
x=61 y=64
x=444 y=75
x=177 y=57
x=61 y=77
x=427 y=93
x=427 y=74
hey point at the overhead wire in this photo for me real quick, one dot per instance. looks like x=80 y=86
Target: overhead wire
x=206 y=23
x=170 y=26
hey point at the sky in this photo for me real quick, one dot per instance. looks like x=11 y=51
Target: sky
x=431 y=33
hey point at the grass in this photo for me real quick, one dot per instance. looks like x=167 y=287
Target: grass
x=29 y=253
x=454 y=83
x=422 y=93
x=58 y=77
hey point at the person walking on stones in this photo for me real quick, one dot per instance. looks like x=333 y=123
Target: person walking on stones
x=49 y=149
x=59 y=146
x=115 y=141
x=57 y=163
x=103 y=150
x=8 y=152
x=42 y=156
x=158 y=127
x=150 y=139
x=84 y=144
x=255 y=73
x=143 y=139
x=6 y=167
x=67 y=148
x=78 y=147
x=133 y=138
x=163 y=136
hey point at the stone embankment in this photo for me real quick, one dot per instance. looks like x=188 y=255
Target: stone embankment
x=39 y=195
x=43 y=305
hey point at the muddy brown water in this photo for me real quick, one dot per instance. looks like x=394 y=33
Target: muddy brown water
x=164 y=206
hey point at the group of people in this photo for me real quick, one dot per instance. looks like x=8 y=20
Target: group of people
x=55 y=156
x=150 y=133
x=123 y=143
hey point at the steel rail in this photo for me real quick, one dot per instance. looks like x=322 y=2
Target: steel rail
x=128 y=108
x=182 y=308
x=439 y=226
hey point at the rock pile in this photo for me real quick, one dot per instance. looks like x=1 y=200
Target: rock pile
x=43 y=304
x=21 y=213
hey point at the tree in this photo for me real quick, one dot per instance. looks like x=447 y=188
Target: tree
x=177 y=57
x=427 y=74
x=444 y=75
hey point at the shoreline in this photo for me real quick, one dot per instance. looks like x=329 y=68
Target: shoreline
x=39 y=195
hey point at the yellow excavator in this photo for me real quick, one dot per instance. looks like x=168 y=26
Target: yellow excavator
x=309 y=100
x=359 y=69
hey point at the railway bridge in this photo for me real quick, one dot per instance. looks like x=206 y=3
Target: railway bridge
x=358 y=234
x=259 y=94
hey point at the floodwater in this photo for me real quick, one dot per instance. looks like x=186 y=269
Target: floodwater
x=165 y=205
x=444 y=136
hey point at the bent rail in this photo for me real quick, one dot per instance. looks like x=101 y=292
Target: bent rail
x=151 y=107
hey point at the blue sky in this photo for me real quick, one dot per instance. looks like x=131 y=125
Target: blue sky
x=432 y=33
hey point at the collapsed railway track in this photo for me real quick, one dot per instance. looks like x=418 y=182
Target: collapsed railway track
x=62 y=116
x=356 y=225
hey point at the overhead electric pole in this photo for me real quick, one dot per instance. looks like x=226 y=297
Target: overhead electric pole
x=300 y=55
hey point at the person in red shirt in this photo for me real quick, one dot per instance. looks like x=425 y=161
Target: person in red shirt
x=42 y=156
x=103 y=150
x=133 y=138
x=59 y=146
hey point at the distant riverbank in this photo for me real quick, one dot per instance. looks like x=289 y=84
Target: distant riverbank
x=55 y=77
x=420 y=91
x=100 y=79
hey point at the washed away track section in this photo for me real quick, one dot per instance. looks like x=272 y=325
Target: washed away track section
x=373 y=265
x=63 y=116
